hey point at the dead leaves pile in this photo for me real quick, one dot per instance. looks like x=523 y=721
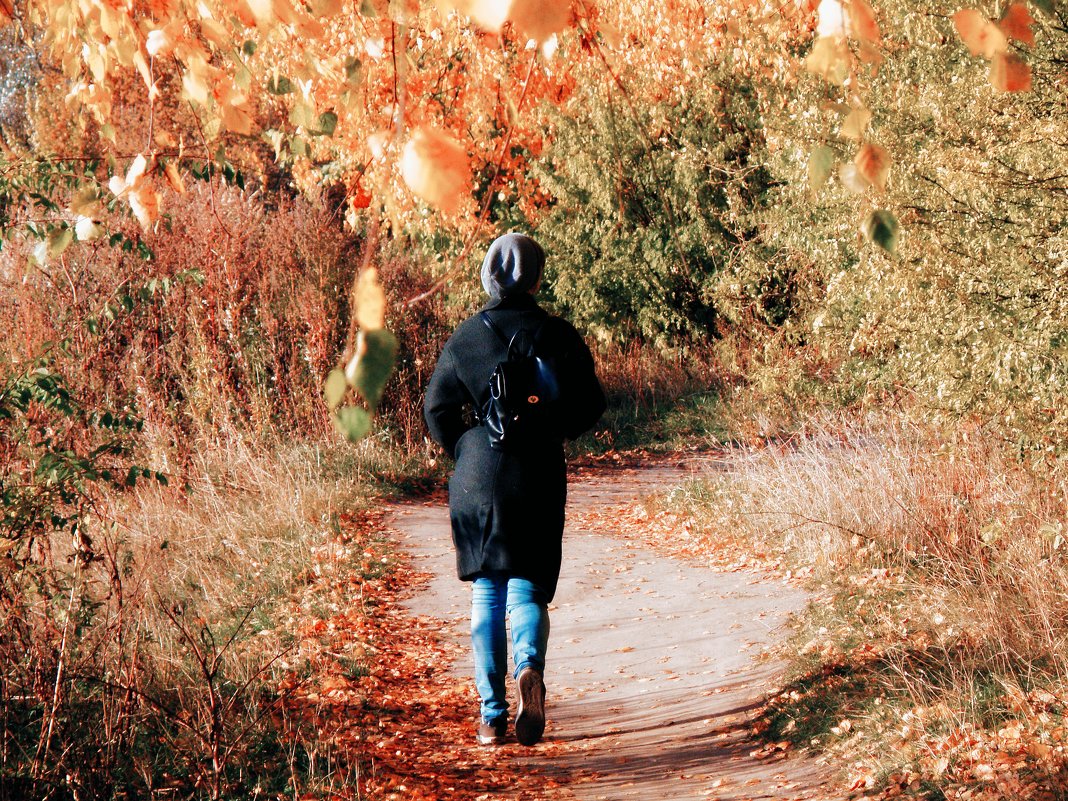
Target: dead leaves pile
x=374 y=699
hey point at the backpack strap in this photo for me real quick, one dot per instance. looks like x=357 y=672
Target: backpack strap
x=500 y=334
x=492 y=327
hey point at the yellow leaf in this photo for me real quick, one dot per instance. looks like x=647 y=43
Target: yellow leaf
x=86 y=201
x=981 y=36
x=370 y=301
x=436 y=168
x=855 y=124
x=1016 y=24
x=335 y=388
x=138 y=167
x=214 y=32
x=1010 y=73
x=262 y=11
x=862 y=24
x=87 y=229
x=540 y=19
x=196 y=81
x=142 y=67
x=829 y=58
x=873 y=162
x=851 y=178
x=830 y=18
x=326 y=8
x=236 y=119
x=174 y=178
x=487 y=14
x=144 y=203
x=159 y=42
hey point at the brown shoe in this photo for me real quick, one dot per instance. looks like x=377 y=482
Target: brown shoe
x=530 y=720
x=492 y=733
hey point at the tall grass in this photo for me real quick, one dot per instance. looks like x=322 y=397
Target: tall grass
x=144 y=635
x=942 y=565
x=152 y=665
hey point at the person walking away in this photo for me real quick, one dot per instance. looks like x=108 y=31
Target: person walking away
x=506 y=503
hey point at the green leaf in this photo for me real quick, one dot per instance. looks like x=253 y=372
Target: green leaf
x=327 y=124
x=303 y=115
x=352 y=71
x=820 y=164
x=367 y=8
x=249 y=47
x=335 y=388
x=58 y=241
x=353 y=422
x=279 y=86
x=376 y=351
x=881 y=228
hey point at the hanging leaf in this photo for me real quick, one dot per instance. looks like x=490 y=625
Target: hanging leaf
x=87 y=229
x=873 y=162
x=353 y=75
x=829 y=59
x=489 y=15
x=370 y=301
x=1016 y=24
x=86 y=201
x=353 y=422
x=539 y=20
x=279 y=85
x=855 y=124
x=862 y=24
x=174 y=178
x=830 y=19
x=236 y=118
x=436 y=168
x=159 y=43
x=144 y=203
x=851 y=178
x=820 y=163
x=881 y=228
x=327 y=124
x=59 y=240
x=334 y=389
x=369 y=370
x=981 y=36
x=1010 y=73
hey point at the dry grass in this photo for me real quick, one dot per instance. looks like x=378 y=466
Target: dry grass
x=151 y=664
x=940 y=563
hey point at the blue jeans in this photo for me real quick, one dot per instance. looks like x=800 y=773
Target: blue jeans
x=493 y=595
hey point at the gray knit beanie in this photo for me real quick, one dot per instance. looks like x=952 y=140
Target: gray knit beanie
x=513 y=265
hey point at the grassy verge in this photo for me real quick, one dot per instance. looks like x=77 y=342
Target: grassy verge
x=933 y=663
x=163 y=661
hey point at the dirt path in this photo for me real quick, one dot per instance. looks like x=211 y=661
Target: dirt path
x=651 y=672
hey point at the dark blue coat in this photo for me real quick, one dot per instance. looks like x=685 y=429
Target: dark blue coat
x=507 y=508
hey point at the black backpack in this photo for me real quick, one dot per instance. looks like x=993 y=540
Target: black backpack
x=523 y=406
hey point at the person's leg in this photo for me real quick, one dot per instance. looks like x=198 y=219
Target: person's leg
x=529 y=618
x=490 y=645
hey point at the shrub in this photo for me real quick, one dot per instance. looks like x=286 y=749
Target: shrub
x=650 y=207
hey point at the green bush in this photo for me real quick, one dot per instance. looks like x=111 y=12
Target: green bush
x=971 y=314
x=651 y=205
